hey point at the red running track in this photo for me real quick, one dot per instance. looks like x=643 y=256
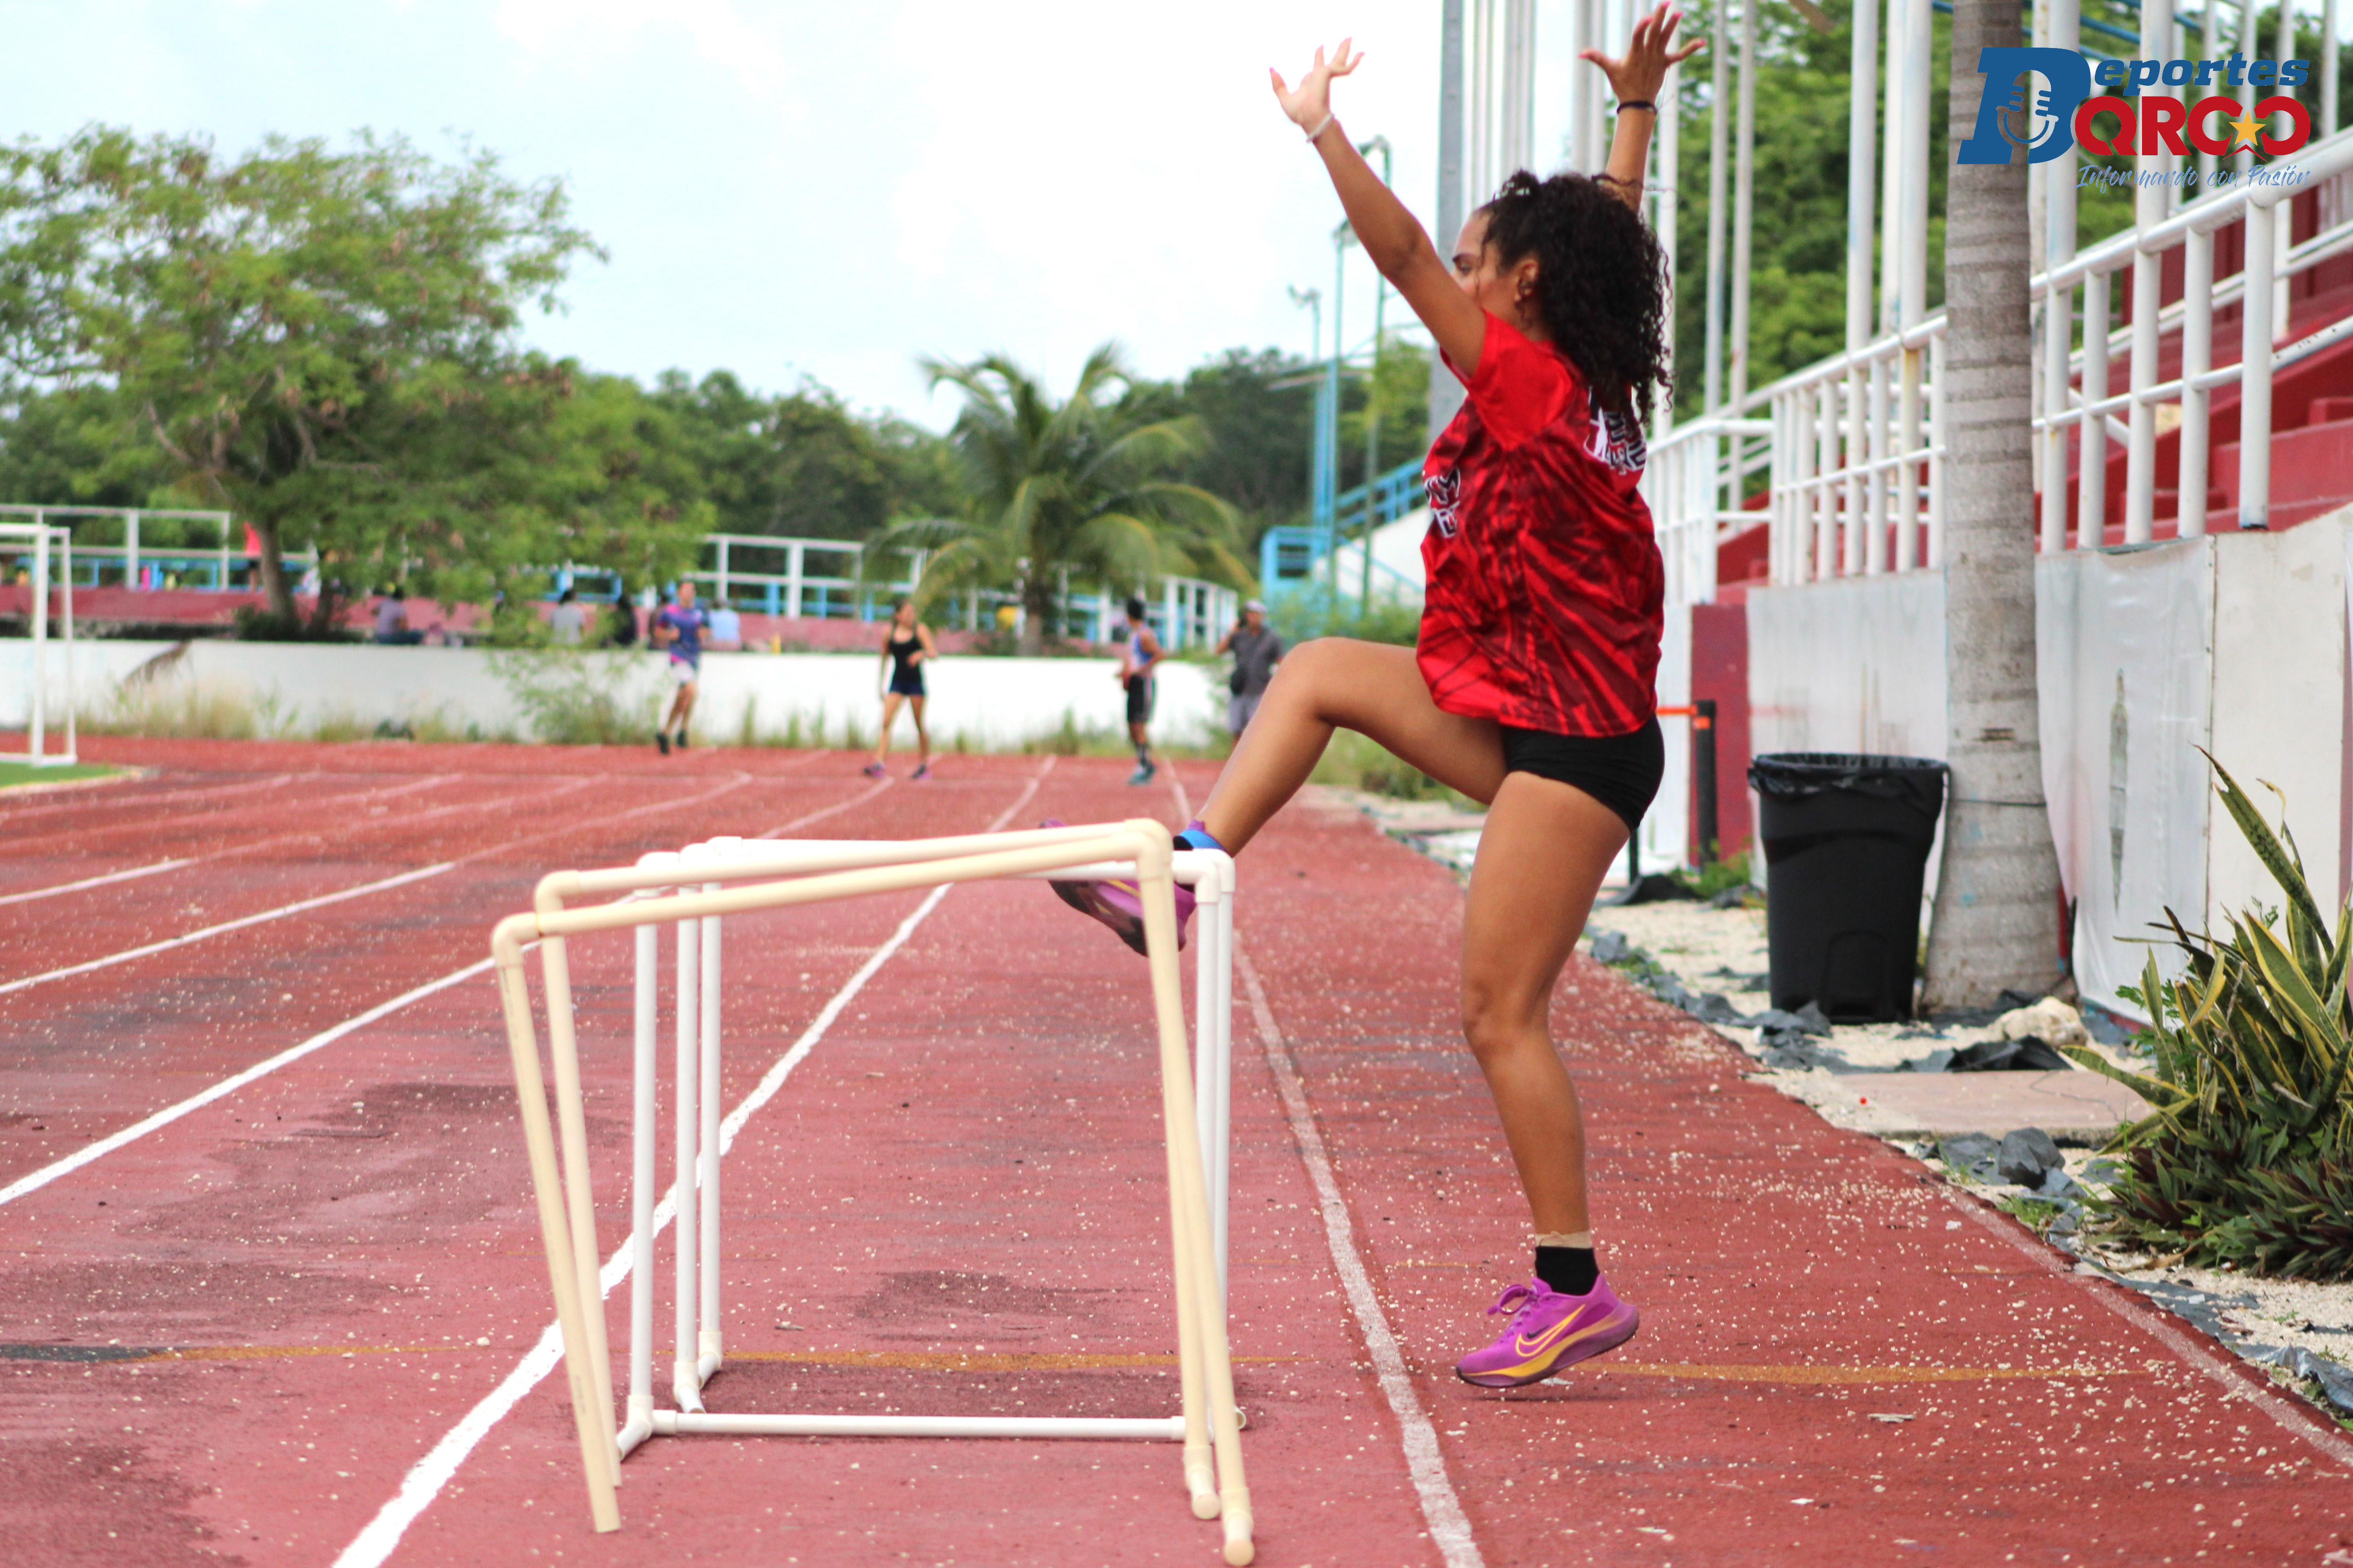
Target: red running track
x=236 y=1337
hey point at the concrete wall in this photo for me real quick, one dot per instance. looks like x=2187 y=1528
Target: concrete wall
x=990 y=703
x=1856 y=664
x=2235 y=643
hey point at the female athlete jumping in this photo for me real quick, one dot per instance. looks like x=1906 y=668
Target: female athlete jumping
x=1531 y=687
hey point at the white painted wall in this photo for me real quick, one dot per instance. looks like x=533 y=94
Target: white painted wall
x=1856 y=664
x=1397 y=560
x=991 y=703
x=2136 y=628
x=2279 y=621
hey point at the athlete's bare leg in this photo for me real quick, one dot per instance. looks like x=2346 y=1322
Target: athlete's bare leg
x=891 y=700
x=1543 y=852
x=681 y=708
x=923 y=736
x=1374 y=689
x=1542 y=855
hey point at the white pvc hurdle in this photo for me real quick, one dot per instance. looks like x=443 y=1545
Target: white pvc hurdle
x=805 y=871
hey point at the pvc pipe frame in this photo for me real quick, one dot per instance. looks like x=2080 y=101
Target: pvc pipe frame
x=698 y=1350
x=1210 y=1426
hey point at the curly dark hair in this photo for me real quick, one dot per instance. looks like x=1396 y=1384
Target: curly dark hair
x=1601 y=282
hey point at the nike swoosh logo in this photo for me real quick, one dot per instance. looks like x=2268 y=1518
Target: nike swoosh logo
x=1553 y=1338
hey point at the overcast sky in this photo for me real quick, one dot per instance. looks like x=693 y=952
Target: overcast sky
x=824 y=190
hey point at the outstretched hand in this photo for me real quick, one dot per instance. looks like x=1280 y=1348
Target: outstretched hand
x=1638 y=75
x=1310 y=103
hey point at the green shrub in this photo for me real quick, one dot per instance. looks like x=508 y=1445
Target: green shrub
x=2248 y=1159
x=1353 y=762
x=1308 y=611
x=574 y=699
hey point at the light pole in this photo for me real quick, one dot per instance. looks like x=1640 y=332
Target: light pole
x=1328 y=436
x=1373 y=397
x=1313 y=299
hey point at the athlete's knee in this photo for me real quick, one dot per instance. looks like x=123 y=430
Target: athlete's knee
x=1309 y=672
x=1498 y=1016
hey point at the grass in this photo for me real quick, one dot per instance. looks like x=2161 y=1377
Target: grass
x=178 y=709
x=1352 y=761
x=15 y=774
x=181 y=711
x=2032 y=1213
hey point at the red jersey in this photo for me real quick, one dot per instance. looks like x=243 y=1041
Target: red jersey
x=1544 y=604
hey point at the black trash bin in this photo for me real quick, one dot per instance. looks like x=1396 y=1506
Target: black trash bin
x=1846 y=842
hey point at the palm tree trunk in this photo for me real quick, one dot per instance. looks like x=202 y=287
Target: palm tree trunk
x=1996 y=924
x=1037 y=603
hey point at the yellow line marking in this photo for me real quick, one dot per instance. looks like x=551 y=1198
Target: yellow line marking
x=1824 y=1374
x=978 y=1360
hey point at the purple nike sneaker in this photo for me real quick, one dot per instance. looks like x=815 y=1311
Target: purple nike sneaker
x=1119 y=905
x=1550 y=1332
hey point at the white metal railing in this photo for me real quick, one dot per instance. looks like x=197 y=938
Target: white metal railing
x=1857 y=483
x=799 y=578
x=1858 y=469
x=2076 y=388
x=1694 y=485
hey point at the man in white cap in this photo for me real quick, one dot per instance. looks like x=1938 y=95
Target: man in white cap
x=1256 y=648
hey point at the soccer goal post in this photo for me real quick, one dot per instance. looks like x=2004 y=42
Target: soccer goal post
x=51 y=580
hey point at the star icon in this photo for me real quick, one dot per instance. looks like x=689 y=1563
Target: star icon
x=2250 y=129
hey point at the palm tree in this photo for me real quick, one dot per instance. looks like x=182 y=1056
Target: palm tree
x=1079 y=487
x=1996 y=924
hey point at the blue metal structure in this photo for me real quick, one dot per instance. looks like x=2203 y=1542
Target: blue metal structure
x=1291 y=557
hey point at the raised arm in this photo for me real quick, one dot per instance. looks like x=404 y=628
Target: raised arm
x=1637 y=78
x=1391 y=237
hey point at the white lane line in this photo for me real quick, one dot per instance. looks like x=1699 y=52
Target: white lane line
x=228 y=1086
x=202 y=933
x=381 y=1536
x=861 y=798
x=129 y=954
x=130 y=875
x=80 y=838
x=157 y=797
x=1450 y=1528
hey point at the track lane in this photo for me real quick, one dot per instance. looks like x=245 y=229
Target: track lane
x=206 y=1261
x=1794 y=1281
x=206 y=1011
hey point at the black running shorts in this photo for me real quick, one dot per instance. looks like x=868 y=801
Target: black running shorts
x=1139 y=698
x=1621 y=771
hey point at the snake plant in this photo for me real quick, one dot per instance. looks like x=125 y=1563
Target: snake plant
x=2247 y=1158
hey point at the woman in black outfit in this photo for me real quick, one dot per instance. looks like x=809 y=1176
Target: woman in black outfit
x=905 y=647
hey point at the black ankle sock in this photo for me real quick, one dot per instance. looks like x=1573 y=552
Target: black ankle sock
x=1568 y=1269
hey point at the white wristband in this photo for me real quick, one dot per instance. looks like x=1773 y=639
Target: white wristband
x=1321 y=126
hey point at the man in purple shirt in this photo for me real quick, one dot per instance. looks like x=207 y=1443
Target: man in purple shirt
x=679 y=627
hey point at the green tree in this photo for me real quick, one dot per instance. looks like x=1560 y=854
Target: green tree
x=803 y=464
x=67 y=447
x=268 y=318
x=1084 y=486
